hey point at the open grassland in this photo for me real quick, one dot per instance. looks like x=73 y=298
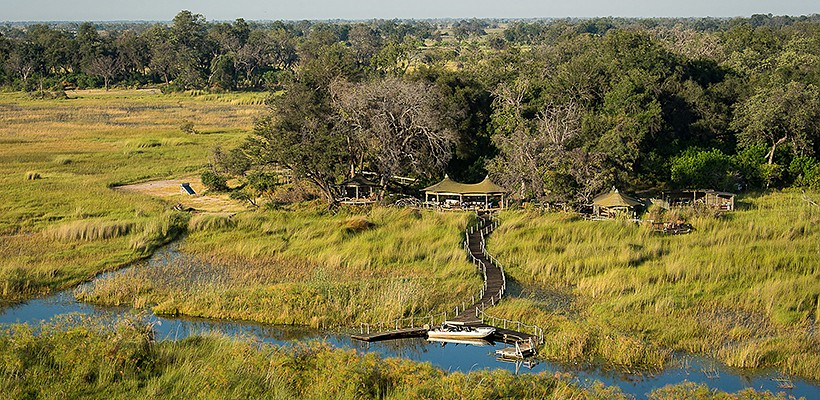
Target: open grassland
x=60 y=223
x=306 y=266
x=102 y=360
x=743 y=287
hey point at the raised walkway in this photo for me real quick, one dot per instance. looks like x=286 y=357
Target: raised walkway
x=495 y=286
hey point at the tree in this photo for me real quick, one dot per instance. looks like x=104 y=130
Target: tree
x=104 y=67
x=397 y=124
x=778 y=115
x=300 y=135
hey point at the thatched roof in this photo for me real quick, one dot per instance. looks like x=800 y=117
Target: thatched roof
x=615 y=199
x=449 y=186
x=358 y=180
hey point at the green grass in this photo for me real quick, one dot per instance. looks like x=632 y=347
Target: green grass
x=305 y=266
x=743 y=287
x=60 y=223
x=97 y=359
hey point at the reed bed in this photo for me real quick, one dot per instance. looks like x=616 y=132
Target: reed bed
x=305 y=267
x=743 y=287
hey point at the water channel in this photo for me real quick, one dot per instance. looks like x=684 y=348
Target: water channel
x=449 y=357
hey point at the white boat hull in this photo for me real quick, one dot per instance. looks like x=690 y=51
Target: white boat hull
x=471 y=342
x=465 y=333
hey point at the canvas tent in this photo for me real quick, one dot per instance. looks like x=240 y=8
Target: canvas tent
x=451 y=194
x=609 y=204
x=358 y=189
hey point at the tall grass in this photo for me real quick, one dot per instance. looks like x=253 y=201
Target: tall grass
x=90 y=230
x=120 y=359
x=306 y=267
x=744 y=286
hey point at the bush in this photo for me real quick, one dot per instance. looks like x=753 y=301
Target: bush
x=704 y=169
x=806 y=172
x=188 y=127
x=357 y=224
x=214 y=181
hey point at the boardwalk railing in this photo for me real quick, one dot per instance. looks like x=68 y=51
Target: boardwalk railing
x=483 y=231
x=519 y=326
x=407 y=322
x=480 y=314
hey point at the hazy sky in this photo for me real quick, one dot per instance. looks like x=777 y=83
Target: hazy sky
x=164 y=10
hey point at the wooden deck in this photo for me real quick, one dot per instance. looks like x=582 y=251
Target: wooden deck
x=390 y=335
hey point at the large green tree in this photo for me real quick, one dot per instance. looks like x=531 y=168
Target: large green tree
x=780 y=115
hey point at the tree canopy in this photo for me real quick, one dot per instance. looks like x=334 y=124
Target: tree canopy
x=556 y=110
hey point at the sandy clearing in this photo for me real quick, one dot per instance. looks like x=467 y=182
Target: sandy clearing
x=171 y=190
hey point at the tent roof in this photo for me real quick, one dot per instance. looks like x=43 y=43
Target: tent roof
x=615 y=199
x=450 y=186
x=358 y=180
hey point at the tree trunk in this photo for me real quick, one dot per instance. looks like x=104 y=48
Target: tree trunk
x=770 y=156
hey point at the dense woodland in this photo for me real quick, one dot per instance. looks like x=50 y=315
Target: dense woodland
x=556 y=110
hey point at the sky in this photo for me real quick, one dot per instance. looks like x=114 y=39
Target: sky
x=164 y=10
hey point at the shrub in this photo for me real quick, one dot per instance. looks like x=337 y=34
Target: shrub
x=704 y=168
x=357 y=224
x=188 y=127
x=214 y=181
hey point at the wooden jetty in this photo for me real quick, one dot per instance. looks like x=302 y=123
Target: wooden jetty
x=495 y=286
x=392 y=334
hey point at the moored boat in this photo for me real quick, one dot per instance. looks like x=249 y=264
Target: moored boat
x=460 y=332
x=471 y=342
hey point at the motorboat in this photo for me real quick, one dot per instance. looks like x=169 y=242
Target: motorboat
x=459 y=332
x=471 y=342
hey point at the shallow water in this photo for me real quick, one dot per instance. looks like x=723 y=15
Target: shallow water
x=449 y=357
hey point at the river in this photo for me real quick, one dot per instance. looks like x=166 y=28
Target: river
x=449 y=357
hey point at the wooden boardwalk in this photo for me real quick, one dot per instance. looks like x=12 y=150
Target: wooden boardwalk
x=495 y=286
x=495 y=282
x=392 y=334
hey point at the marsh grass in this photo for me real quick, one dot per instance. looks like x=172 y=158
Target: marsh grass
x=65 y=228
x=305 y=266
x=119 y=359
x=210 y=222
x=743 y=287
x=90 y=230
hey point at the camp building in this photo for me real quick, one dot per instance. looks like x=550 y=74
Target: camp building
x=484 y=195
x=613 y=203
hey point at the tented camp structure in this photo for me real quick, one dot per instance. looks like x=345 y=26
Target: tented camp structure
x=614 y=202
x=448 y=193
x=358 y=190
x=705 y=197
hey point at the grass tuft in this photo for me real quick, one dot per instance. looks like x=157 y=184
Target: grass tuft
x=211 y=222
x=357 y=224
x=91 y=230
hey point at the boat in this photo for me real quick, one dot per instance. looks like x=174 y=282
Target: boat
x=460 y=332
x=471 y=342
